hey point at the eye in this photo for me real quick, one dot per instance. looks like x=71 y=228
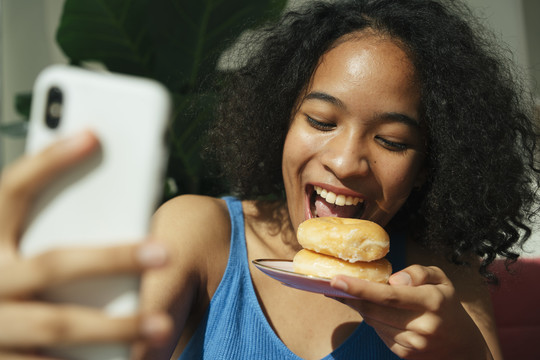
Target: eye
x=392 y=145
x=319 y=125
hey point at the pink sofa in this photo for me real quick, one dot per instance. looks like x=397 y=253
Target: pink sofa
x=516 y=304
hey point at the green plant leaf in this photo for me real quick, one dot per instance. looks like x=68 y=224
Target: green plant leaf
x=176 y=42
x=113 y=32
x=23 y=103
x=191 y=35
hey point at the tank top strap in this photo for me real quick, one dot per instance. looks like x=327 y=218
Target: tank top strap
x=238 y=250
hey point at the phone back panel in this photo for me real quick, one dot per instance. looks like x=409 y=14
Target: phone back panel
x=109 y=198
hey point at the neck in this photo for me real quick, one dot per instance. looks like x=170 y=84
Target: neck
x=271 y=224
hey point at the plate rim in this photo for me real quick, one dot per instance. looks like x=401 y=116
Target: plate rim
x=256 y=262
x=335 y=293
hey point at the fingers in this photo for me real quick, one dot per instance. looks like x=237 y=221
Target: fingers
x=382 y=294
x=35 y=325
x=372 y=312
x=416 y=275
x=28 y=276
x=40 y=325
x=403 y=343
x=22 y=180
x=414 y=288
x=34 y=171
x=416 y=314
x=420 y=322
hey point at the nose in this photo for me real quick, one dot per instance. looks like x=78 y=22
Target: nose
x=347 y=155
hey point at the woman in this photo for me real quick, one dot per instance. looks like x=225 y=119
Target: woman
x=397 y=103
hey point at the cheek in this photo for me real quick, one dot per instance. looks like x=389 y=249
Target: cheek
x=288 y=154
x=297 y=149
x=399 y=177
x=289 y=160
x=294 y=161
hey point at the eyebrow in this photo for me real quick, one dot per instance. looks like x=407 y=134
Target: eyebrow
x=325 y=97
x=389 y=116
x=401 y=118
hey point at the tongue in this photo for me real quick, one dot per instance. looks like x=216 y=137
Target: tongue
x=326 y=209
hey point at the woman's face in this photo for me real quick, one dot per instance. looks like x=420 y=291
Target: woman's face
x=354 y=147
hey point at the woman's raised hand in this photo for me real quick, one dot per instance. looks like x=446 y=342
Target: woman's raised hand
x=418 y=314
x=29 y=325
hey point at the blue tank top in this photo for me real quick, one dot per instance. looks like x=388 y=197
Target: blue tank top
x=235 y=327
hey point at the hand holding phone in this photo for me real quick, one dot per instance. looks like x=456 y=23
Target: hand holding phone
x=109 y=198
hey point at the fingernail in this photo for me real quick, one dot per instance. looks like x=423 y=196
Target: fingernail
x=401 y=278
x=79 y=140
x=339 y=284
x=152 y=255
x=155 y=328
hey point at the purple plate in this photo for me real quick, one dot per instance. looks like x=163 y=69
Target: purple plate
x=282 y=271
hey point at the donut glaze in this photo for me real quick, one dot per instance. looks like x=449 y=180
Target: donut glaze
x=311 y=263
x=348 y=239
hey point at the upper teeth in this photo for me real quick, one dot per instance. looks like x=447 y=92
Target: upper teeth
x=340 y=200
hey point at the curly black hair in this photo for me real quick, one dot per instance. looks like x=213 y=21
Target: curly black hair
x=482 y=184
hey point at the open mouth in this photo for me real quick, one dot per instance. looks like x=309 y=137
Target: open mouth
x=323 y=202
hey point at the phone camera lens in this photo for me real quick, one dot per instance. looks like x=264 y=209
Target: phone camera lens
x=54 y=108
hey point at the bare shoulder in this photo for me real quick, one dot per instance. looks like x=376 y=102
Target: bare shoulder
x=192 y=219
x=194 y=209
x=196 y=228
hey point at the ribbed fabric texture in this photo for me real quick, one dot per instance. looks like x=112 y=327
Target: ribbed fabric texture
x=235 y=327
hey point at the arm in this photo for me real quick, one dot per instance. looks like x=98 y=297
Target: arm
x=196 y=231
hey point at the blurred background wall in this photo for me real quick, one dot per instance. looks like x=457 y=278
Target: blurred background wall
x=27 y=45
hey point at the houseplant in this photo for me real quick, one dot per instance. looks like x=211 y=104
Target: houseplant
x=176 y=42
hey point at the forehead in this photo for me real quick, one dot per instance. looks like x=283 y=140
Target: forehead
x=369 y=67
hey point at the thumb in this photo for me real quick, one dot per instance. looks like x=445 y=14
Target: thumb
x=400 y=278
x=419 y=275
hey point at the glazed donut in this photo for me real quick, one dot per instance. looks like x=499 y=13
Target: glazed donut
x=348 y=239
x=311 y=263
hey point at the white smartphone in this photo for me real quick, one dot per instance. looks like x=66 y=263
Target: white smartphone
x=109 y=198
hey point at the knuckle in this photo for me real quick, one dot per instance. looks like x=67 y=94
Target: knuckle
x=435 y=301
x=66 y=264
x=118 y=259
x=405 y=351
x=52 y=329
x=392 y=299
x=429 y=326
x=419 y=273
x=41 y=326
x=418 y=343
x=54 y=326
x=51 y=265
x=401 y=351
x=435 y=270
